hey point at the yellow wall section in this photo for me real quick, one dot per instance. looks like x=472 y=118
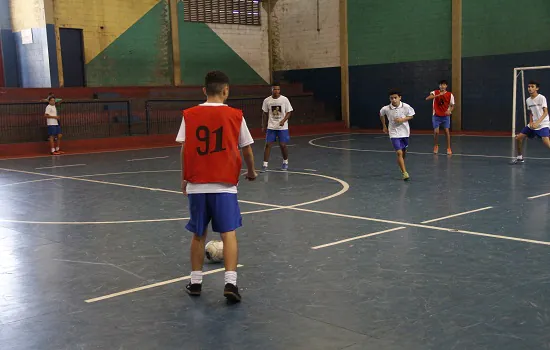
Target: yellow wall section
x=26 y=14
x=115 y=16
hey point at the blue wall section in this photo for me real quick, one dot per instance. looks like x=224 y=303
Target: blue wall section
x=487 y=89
x=369 y=86
x=9 y=57
x=52 y=54
x=323 y=82
x=34 y=60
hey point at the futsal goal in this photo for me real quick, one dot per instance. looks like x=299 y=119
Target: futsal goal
x=523 y=75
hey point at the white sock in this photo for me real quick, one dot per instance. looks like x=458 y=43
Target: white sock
x=265 y=164
x=231 y=277
x=520 y=157
x=285 y=161
x=196 y=277
x=57 y=148
x=53 y=150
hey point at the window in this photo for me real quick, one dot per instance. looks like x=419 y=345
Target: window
x=245 y=12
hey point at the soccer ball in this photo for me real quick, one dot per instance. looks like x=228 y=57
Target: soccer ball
x=214 y=251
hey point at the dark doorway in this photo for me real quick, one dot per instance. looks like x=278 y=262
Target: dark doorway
x=72 y=55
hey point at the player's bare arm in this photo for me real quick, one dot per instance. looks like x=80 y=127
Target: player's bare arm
x=265 y=116
x=248 y=156
x=183 y=182
x=287 y=117
x=384 y=126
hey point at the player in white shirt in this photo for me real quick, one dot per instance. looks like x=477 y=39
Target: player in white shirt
x=54 y=129
x=398 y=114
x=276 y=112
x=539 y=123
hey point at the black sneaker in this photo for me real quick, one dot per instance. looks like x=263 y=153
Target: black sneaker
x=194 y=289
x=231 y=292
x=517 y=161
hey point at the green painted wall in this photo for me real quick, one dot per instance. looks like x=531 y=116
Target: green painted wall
x=398 y=31
x=202 y=50
x=496 y=27
x=141 y=56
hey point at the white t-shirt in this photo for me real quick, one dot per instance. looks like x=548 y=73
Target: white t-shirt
x=536 y=105
x=51 y=110
x=398 y=130
x=245 y=139
x=277 y=109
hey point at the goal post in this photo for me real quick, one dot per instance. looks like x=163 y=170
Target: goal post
x=519 y=73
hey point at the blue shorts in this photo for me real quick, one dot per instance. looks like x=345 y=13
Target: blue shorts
x=220 y=208
x=273 y=135
x=544 y=132
x=445 y=122
x=400 y=143
x=54 y=130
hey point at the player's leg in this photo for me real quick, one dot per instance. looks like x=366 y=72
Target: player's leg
x=526 y=132
x=198 y=225
x=270 y=138
x=400 y=145
x=447 y=127
x=544 y=134
x=52 y=144
x=284 y=139
x=546 y=141
x=435 y=123
x=226 y=218
x=58 y=145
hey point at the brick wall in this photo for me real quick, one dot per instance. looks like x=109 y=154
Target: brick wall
x=300 y=40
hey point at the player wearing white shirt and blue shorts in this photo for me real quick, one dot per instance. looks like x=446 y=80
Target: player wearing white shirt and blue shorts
x=276 y=112
x=539 y=124
x=54 y=129
x=398 y=114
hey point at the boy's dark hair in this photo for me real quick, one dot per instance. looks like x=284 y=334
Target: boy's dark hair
x=536 y=83
x=215 y=81
x=276 y=83
x=444 y=82
x=394 y=92
x=50 y=98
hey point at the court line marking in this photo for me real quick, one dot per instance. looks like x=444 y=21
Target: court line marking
x=272 y=207
x=60 y=166
x=341 y=140
x=358 y=237
x=100 y=263
x=455 y=215
x=312 y=143
x=539 y=196
x=28 y=182
x=399 y=228
x=400 y=223
x=150 y=158
x=149 y=286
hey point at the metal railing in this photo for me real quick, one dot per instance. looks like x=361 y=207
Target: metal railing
x=164 y=116
x=25 y=122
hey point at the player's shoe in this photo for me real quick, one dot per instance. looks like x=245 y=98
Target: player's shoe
x=284 y=167
x=231 y=292
x=436 y=149
x=406 y=176
x=449 y=152
x=194 y=289
x=55 y=153
x=517 y=161
x=264 y=169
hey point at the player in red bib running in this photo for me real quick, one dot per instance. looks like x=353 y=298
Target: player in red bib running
x=212 y=136
x=443 y=105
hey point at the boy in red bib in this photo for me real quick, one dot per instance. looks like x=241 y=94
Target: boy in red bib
x=443 y=105
x=212 y=136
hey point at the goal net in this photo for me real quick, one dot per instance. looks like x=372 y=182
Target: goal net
x=522 y=77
